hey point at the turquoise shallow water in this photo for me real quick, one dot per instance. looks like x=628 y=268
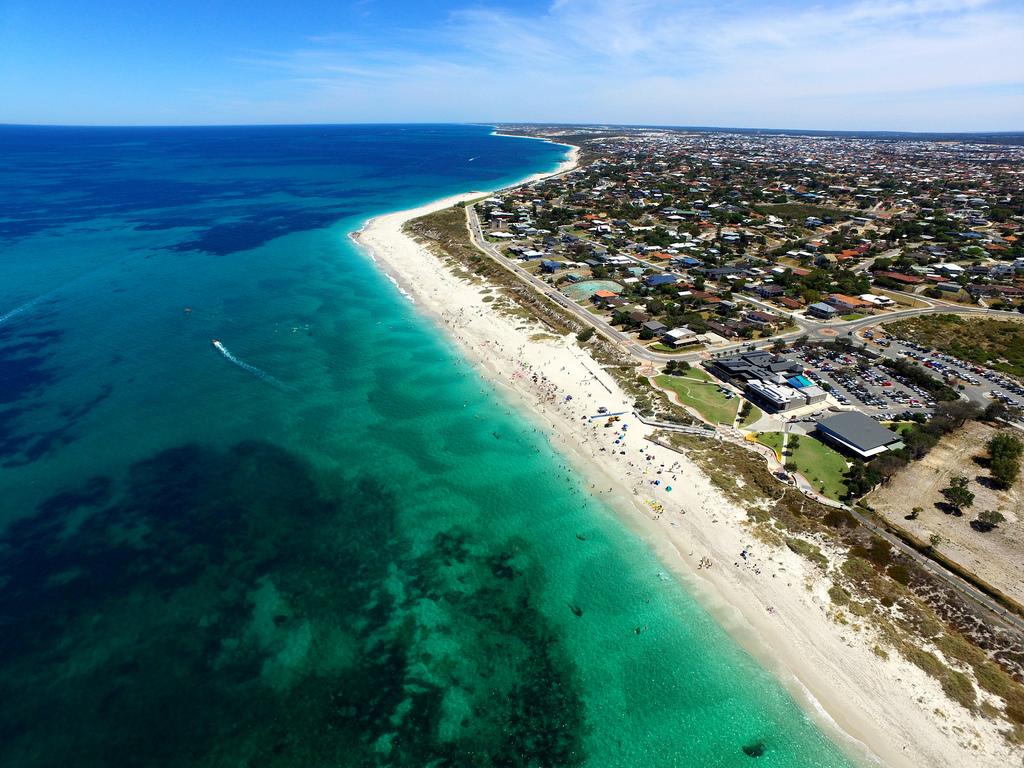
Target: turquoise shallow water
x=341 y=548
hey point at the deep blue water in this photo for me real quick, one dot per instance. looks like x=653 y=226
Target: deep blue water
x=306 y=547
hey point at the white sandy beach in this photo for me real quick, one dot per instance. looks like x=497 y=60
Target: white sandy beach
x=775 y=603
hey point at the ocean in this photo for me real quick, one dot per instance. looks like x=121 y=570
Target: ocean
x=325 y=539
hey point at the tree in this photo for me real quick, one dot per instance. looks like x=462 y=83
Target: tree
x=585 y=335
x=1005 y=443
x=860 y=478
x=1005 y=470
x=1005 y=451
x=988 y=520
x=915 y=513
x=957 y=494
x=995 y=411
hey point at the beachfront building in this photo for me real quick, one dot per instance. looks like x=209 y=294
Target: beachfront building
x=773 y=397
x=857 y=433
x=772 y=382
x=755 y=365
x=812 y=393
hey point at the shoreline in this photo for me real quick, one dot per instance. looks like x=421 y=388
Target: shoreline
x=879 y=711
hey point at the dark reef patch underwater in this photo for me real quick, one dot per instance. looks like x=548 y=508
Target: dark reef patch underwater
x=201 y=568
x=314 y=635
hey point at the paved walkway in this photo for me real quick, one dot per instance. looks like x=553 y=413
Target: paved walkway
x=805 y=327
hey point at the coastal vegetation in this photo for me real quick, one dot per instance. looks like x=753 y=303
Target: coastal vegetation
x=998 y=344
x=876 y=588
x=445 y=233
x=1004 y=452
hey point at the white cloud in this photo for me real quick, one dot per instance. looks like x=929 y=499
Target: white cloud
x=911 y=64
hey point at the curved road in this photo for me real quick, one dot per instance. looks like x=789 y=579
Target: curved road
x=805 y=326
x=813 y=329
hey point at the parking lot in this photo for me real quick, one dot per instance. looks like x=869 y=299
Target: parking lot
x=853 y=379
x=980 y=384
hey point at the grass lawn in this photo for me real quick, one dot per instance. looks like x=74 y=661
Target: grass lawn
x=701 y=395
x=904 y=299
x=752 y=417
x=900 y=427
x=854 y=316
x=659 y=347
x=823 y=467
x=772 y=439
x=697 y=373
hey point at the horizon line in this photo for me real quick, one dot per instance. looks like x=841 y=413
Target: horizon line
x=538 y=124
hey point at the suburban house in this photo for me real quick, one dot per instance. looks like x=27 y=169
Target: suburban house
x=602 y=297
x=679 y=337
x=655 y=280
x=761 y=320
x=847 y=304
x=769 y=291
x=877 y=301
x=654 y=326
x=822 y=311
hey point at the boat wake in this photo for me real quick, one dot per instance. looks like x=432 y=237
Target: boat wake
x=17 y=310
x=259 y=373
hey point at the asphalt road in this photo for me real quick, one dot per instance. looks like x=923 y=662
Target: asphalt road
x=814 y=330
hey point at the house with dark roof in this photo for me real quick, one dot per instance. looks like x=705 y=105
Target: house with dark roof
x=655 y=280
x=761 y=319
x=822 y=310
x=654 y=326
x=769 y=291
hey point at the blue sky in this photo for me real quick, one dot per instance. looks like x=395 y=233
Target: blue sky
x=941 y=65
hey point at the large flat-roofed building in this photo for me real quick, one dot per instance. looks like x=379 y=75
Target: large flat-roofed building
x=774 y=397
x=812 y=393
x=768 y=380
x=857 y=433
x=755 y=365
